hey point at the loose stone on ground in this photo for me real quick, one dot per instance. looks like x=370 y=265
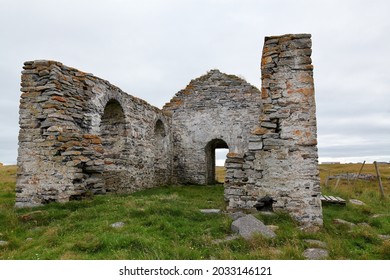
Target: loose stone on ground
x=384 y=236
x=248 y=225
x=236 y=215
x=356 y=202
x=315 y=254
x=118 y=225
x=210 y=211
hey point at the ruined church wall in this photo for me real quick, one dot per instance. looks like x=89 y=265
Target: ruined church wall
x=80 y=135
x=215 y=107
x=282 y=158
x=66 y=149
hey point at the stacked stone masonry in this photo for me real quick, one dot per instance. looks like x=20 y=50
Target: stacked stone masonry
x=80 y=135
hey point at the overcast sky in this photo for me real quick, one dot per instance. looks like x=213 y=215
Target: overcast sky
x=152 y=49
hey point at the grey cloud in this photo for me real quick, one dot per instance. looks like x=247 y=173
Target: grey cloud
x=152 y=49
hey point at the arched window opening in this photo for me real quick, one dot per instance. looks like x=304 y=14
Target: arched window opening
x=112 y=130
x=159 y=129
x=216 y=150
x=160 y=147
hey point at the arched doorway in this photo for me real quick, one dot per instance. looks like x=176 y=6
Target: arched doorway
x=211 y=147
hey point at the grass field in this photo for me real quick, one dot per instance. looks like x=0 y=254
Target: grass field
x=165 y=223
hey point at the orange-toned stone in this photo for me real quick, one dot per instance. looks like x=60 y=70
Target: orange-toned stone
x=96 y=141
x=90 y=136
x=264 y=93
x=266 y=60
x=259 y=131
x=58 y=98
x=189 y=89
x=99 y=149
x=305 y=79
x=50 y=106
x=305 y=91
x=71 y=144
x=233 y=155
x=83 y=159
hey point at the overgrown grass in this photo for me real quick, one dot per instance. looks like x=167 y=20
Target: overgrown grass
x=165 y=223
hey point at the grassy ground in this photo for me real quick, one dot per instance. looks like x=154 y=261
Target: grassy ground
x=165 y=223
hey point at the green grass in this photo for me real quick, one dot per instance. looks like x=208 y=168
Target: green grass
x=165 y=223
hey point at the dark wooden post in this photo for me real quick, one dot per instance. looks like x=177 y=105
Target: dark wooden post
x=379 y=180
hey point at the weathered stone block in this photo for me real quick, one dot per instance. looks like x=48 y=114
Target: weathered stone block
x=248 y=225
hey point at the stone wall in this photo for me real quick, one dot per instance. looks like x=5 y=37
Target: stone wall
x=281 y=160
x=214 y=111
x=80 y=135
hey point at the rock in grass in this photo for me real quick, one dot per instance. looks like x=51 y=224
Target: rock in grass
x=3 y=243
x=248 y=225
x=315 y=254
x=210 y=211
x=236 y=215
x=356 y=202
x=384 y=236
x=118 y=225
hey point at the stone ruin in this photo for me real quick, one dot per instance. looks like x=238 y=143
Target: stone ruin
x=80 y=135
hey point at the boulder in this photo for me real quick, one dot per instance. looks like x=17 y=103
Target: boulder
x=315 y=254
x=236 y=215
x=248 y=225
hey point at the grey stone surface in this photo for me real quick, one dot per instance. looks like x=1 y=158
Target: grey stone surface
x=380 y=215
x=236 y=215
x=80 y=135
x=315 y=254
x=384 y=236
x=248 y=225
x=287 y=131
x=314 y=242
x=118 y=225
x=210 y=211
x=267 y=213
x=356 y=202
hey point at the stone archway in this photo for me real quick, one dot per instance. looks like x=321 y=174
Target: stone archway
x=160 y=152
x=210 y=158
x=113 y=135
